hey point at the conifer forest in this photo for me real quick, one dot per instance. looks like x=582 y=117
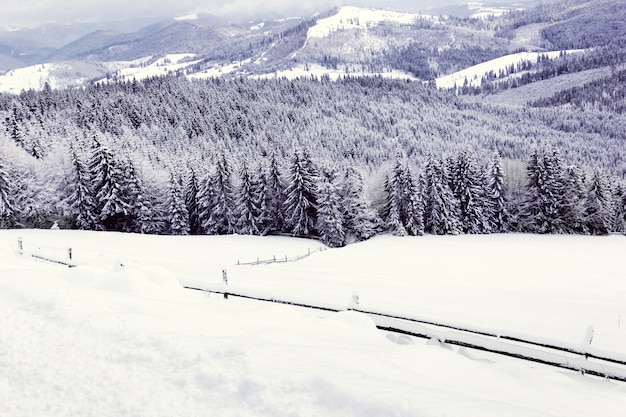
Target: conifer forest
x=341 y=161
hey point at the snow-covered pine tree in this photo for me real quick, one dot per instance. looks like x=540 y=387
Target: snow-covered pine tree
x=275 y=197
x=80 y=200
x=107 y=185
x=248 y=203
x=178 y=215
x=140 y=217
x=359 y=219
x=7 y=206
x=598 y=206
x=301 y=201
x=191 y=202
x=392 y=211
x=412 y=207
x=206 y=195
x=329 y=217
x=441 y=209
x=554 y=192
x=220 y=209
x=496 y=196
x=619 y=203
x=541 y=210
x=574 y=196
x=468 y=189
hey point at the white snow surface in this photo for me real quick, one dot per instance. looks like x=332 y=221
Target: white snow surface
x=350 y=17
x=29 y=78
x=118 y=336
x=474 y=74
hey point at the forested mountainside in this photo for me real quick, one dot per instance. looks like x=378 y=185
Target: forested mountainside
x=339 y=160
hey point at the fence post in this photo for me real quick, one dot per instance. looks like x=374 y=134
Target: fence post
x=225 y=281
x=20 y=246
x=69 y=253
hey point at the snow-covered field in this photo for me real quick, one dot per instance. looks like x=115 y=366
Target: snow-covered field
x=118 y=336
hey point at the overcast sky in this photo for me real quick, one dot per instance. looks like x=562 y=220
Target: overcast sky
x=28 y=13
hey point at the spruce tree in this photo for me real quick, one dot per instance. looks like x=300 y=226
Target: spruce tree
x=7 y=206
x=81 y=200
x=393 y=211
x=359 y=219
x=248 y=202
x=329 y=217
x=598 y=206
x=178 y=215
x=140 y=217
x=542 y=208
x=619 y=203
x=441 y=209
x=107 y=185
x=496 y=196
x=220 y=205
x=191 y=203
x=467 y=187
x=574 y=200
x=275 y=197
x=301 y=203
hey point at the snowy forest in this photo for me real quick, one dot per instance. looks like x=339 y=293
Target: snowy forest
x=340 y=161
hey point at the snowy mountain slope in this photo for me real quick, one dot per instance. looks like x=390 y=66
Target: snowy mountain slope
x=348 y=17
x=118 y=336
x=473 y=75
x=345 y=41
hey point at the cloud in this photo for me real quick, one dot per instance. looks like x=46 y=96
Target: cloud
x=20 y=13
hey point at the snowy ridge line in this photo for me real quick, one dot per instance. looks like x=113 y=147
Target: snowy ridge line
x=589 y=351
x=481 y=340
x=282 y=260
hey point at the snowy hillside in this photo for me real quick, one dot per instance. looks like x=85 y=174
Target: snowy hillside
x=474 y=74
x=349 y=17
x=117 y=335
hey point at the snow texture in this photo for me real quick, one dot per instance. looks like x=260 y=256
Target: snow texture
x=117 y=335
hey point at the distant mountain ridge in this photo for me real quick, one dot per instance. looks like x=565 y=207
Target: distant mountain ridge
x=346 y=41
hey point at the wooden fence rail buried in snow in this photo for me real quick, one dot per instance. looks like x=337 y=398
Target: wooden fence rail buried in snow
x=580 y=358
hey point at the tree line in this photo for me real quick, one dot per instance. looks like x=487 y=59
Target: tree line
x=101 y=190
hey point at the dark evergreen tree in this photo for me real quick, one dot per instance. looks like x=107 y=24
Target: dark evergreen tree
x=329 y=217
x=403 y=211
x=275 y=197
x=248 y=203
x=140 y=217
x=301 y=203
x=498 y=214
x=7 y=206
x=619 y=203
x=392 y=214
x=468 y=188
x=359 y=219
x=598 y=206
x=542 y=207
x=206 y=195
x=220 y=204
x=441 y=209
x=192 y=204
x=80 y=200
x=178 y=215
x=108 y=182
x=574 y=198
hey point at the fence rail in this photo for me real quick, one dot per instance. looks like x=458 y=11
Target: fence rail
x=52 y=254
x=583 y=359
x=580 y=358
x=283 y=259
